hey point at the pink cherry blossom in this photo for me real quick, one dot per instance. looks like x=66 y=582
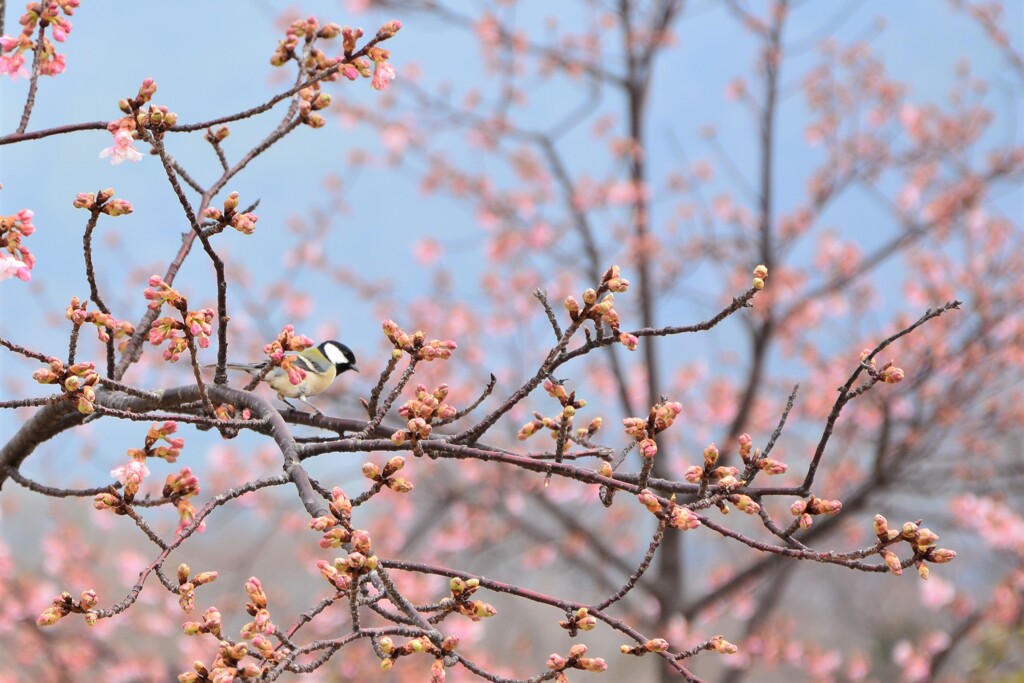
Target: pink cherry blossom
x=427 y=251
x=122 y=149
x=54 y=66
x=936 y=592
x=12 y=267
x=13 y=66
x=383 y=73
x=134 y=470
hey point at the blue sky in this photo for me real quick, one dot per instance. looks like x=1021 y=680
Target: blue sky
x=212 y=59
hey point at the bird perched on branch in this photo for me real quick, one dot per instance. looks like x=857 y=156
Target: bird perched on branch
x=318 y=367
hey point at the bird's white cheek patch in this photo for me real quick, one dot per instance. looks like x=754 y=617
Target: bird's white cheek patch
x=334 y=354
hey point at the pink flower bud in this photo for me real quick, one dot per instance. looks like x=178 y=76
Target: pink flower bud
x=892 y=375
x=683 y=518
x=88 y=599
x=772 y=467
x=556 y=662
x=892 y=562
x=399 y=485
x=746 y=504
x=722 y=646
x=656 y=645
x=630 y=341
x=881 y=525
x=650 y=501
x=84 y=200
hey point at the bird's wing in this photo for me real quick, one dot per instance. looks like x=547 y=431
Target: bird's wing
x=311 y=365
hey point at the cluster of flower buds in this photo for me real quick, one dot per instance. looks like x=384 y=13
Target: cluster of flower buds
x=421 y=645
x=722 y=476
x=923 y=541
x=336 y=525
x=132 y=474
x=311 y=100
x=577 y=660
x=107 y=327
x=196 y=324
x=277 y=351
x=385 y=477
x=18 y=260
x=14 y=49
x=725 y=476
x=187 y=585
x=421 y=412
x=163 y=432
x=351 y=67
x=310 y=31
x=658 y=420
x=286 y=341
x=133 y=104
x=243 y=222
x=179 y=488
x=752 y=456
x=228 y=411
x=76 y=381
x=64 y=605
x=258 y=630
x=653 y=645
x=602 y=311
x=228 y=665
x=156 y=117
x=459 y=601
x=760 y=275
x=564 y=420
x=184 y=484
x=126 y=129
x=168 y=329
x=888 y=373
x=210 y=624
x=160 y=293
x=678 y=516
x=807 y=509
x=416 y=345
x=344 y=572
x=200 y=325
x=580 y=620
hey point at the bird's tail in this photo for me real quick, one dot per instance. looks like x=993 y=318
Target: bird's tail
x=244 y=367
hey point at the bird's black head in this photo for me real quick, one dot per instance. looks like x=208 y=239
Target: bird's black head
x=340 y=355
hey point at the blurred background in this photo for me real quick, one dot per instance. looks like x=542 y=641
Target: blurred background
x=869 y=153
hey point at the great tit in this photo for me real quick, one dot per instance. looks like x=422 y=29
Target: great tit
x=321 y=364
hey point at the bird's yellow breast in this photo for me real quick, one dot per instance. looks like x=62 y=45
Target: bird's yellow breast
x=311 y=385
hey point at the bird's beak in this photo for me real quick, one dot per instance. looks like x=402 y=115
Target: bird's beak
x=355 y=368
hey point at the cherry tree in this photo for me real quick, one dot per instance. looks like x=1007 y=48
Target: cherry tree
x=682 y=415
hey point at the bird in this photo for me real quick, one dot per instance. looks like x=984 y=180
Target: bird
x=322 y=364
